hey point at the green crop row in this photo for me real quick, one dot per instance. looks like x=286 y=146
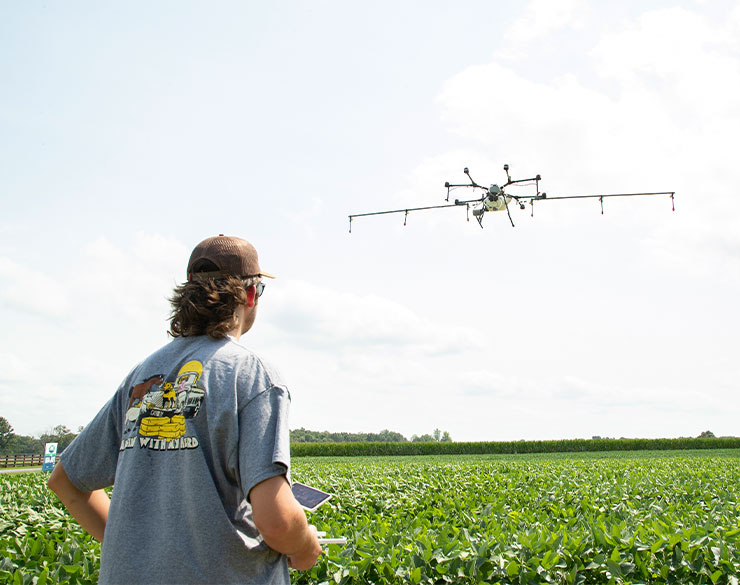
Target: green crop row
x=471 y=520
x=509 y=447
x=40 y=542
x=580 y=519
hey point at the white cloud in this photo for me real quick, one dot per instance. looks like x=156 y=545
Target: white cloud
x=570 y=325
x=544 y=16
x=364 y=362
x=671 y=124
x=666 y=120
x=666 y=42
x=90 y=315
x=321 y=317
x=678 y=53
x=575 y=135
x=699 y=249
x=734 y=18
x=30 y=290
x=129 y=283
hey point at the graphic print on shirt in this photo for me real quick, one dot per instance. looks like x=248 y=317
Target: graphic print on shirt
x=157 y=410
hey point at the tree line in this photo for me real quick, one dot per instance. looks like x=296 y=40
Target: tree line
x=577 y=446
x=12 y=444
x=385 y=436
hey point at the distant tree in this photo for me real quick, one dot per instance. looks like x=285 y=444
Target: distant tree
x=6 y=432
x=707 y=435
x=437 y=437
x=387 y=436
x=60 y=435
x=307 y=436
x=22 y=445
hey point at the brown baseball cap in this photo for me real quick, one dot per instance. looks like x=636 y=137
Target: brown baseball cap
x=222 y=256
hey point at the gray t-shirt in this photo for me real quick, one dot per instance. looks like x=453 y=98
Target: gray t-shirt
x=189 y=432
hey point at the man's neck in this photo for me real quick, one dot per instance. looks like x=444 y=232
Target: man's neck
x=236 y=332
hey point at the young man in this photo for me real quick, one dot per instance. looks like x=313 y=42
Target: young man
x=197 y=441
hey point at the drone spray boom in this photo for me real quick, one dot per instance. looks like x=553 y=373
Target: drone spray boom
x=496 y=198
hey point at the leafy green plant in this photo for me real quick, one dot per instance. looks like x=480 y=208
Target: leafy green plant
x=470 y=520
x=617 y=518
x=40 y=542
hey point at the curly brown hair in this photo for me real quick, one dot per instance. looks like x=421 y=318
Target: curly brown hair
x=207 y=307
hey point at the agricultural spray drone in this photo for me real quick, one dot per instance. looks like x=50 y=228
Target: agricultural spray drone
x=496 y=199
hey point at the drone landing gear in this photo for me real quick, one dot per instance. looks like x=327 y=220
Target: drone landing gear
x=509 y=212
x=478 y=215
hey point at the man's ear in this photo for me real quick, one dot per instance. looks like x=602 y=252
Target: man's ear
x=251 y=296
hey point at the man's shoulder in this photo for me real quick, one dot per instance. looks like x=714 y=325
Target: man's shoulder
x=225 y=355
x=252 y=362
x=179 y=350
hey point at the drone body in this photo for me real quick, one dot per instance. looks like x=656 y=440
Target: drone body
x=496 y=198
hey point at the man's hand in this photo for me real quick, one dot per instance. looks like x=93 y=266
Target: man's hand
x=282 y=522
x=307 y=559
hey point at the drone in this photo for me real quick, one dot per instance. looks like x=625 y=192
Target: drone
x=496 y=198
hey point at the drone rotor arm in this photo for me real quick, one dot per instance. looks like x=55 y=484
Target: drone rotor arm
x=522 y=181
x=472 y=182
x=466 y=201
x=474 y=185
x=520 y=200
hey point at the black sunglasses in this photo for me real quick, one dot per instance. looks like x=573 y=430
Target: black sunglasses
x=260 y=286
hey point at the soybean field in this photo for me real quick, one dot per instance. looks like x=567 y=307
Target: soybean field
x=626 y=517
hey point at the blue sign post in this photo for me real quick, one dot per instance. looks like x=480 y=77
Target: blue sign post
x=50 y=457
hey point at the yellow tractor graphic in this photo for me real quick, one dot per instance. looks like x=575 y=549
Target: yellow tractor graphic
x=166 y=410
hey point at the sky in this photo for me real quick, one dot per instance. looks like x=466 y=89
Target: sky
x=131 y=131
